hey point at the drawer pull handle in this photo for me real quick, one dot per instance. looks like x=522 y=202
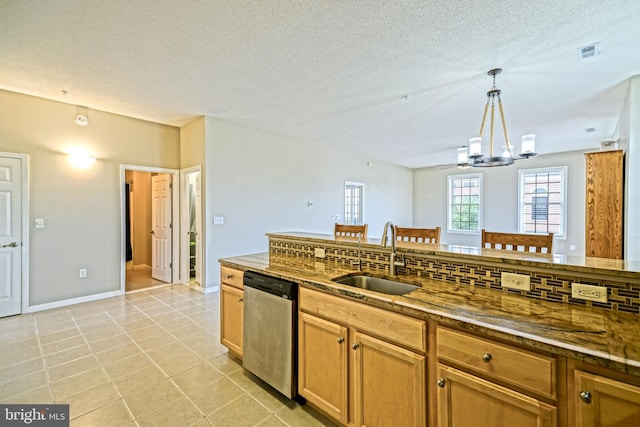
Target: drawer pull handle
x=486 y=357
x=585 y=396
x=340 y=340
x=230 y=276
x=240 y=299
x=440 y=382
x=355 y=345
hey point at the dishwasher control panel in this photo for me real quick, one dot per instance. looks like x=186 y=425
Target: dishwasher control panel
x=273 y=285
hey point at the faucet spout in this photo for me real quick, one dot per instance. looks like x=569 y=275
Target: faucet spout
x=392 y=257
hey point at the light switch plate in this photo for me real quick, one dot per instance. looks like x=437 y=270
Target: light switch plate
x=516 y=281
x=589 y=292
x=217 y=220
x=39 y=222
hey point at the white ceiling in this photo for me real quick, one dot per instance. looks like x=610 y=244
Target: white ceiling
x=335 y=72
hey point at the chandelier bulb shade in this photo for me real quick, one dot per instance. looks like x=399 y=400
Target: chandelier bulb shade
x=473 y=155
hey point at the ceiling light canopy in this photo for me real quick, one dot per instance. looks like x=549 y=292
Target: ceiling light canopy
x=472 y=155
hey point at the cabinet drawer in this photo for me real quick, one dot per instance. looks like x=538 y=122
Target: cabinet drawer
x=511 y=365
x=231 y=276
x=385 y=324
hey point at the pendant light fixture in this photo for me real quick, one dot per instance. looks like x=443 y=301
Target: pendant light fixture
x=472 y=155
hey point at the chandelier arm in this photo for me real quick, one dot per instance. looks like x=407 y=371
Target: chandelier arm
x=484 y=118
x=493 y=108
x=504 y=125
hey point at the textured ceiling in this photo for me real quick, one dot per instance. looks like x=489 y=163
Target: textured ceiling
x=398 y=80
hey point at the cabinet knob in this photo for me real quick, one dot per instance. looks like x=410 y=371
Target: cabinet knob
x=585 y=395
x=340 y=340
x=440 y=382
x=486 y=357
x=240 y=299
x=355 y=345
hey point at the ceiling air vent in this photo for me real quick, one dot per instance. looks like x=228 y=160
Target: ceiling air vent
x=588 y=51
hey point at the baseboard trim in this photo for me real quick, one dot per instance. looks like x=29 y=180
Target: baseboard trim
x=72 y=301
x=211 y=289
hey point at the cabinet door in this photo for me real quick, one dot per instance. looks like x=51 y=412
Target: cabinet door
x=464 y=400
x=389 y=384
x=603 y=402
x=322 y=365
x=231 y=315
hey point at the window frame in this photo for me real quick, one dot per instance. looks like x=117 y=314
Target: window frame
x=450 y=180
x=348 y=184
x=563 y=170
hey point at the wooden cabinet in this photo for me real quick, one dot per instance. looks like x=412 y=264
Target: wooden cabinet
x=389 y=384
x=604 y=204
x=231 y=309
x=322 y=365
x=604 y=402
x=351 y=369
x=465 y=400
x=484 y=382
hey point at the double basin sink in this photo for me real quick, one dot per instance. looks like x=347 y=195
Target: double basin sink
x=376 y=284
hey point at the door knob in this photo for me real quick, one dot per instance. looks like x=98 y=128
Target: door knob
x=152 y=232
x=355 y=345
x=440 y=382
x=340 y=340
x=486 y=357
x=11 y=245
x=240 y=299
x=585 y=395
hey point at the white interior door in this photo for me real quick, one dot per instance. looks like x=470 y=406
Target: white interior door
x=198 y=230
x=10 y=236
x=161 y=246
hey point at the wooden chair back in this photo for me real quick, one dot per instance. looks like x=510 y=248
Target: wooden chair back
x=542 y=243
x=419 y=235
x=350 y=231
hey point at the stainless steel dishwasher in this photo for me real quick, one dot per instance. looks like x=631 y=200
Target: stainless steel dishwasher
x=269 y=347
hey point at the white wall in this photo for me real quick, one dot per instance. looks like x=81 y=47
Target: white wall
x=81 y=209
x=500 y=199
x=629 y=135
x=261 y=182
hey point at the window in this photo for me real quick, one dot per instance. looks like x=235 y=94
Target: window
x=353 y=203
x=541 y=197
x=463 y=212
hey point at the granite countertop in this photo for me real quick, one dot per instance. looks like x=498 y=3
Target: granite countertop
x=621 y=268
x=604 y=337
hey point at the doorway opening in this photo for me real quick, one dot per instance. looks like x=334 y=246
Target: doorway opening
x=150 y=241
x=191 y=261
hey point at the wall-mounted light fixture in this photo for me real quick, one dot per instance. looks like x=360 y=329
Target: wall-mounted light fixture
x=80 y=158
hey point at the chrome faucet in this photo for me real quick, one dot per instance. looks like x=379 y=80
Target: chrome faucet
x=393 y=263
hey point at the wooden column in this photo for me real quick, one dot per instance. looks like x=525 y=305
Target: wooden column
x=604 y=204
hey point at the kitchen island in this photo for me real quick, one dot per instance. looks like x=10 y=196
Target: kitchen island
x=568 y=342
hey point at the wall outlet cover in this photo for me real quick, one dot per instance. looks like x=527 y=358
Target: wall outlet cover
x=319 y=252
x=521 y=282
x=589 y=292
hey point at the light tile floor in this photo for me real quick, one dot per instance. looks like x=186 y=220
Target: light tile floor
x=151 y=358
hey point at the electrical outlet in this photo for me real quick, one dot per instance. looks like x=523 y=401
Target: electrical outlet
x=589 y=292
x=319 y=252
x=516 y=281
x=82 y=273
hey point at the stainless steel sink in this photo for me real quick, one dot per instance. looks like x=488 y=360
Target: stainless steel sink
x=377 y=284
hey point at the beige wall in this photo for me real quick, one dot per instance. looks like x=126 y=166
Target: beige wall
x=81 y=209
